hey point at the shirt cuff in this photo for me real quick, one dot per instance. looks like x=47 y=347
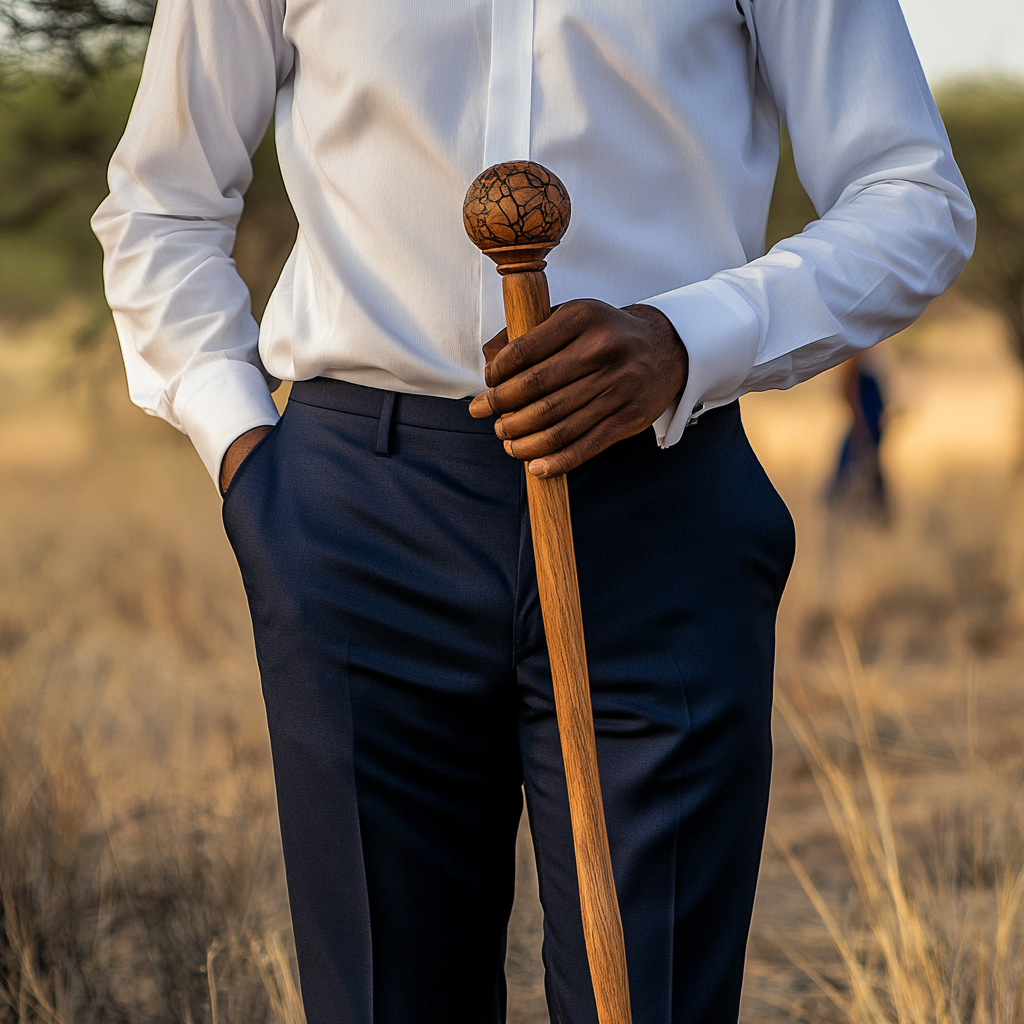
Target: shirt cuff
x=224 y=399
x=721 y=334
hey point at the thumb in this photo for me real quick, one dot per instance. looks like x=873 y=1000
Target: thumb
x=491 y=349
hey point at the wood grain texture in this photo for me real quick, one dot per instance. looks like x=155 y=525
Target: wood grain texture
x=516 y=213
x=526 y=305
x=517 y=203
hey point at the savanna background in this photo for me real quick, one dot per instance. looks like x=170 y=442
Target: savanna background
x=140 y=869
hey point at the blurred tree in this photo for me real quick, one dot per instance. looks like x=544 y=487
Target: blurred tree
x=267 y=229
x=791 y=210
x=53 y=154
x=79 y=35
x=54 y=150
x=57 y=133
x=985 y=121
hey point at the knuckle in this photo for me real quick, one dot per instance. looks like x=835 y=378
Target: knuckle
x=497 y=397
x=558 y=464
x=632 y=376
x=607 y=345
x=579 y=314
x=513 y=356
x=547 y=407
x=533 y=379
x=559 y=435
x=581 y=453
x=623 y=344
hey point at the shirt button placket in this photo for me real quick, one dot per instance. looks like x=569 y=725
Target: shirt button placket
x=507 y=131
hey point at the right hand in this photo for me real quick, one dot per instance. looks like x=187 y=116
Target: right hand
x=588 y=376
x=236 y=454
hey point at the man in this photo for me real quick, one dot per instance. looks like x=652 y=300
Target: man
x=381 y=528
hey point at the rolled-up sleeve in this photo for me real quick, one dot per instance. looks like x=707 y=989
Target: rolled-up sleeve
x=167 y=228
x=895 y=226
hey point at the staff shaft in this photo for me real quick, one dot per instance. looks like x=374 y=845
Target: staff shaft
x=526 y=305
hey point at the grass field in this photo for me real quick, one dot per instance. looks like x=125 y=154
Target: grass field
x=140 y=872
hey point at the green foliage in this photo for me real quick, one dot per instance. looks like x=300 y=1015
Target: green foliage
x=985 y=121
x=791 y=210
x=55 y=145
x=53 y=154
x=80 y=36
x=267 y=229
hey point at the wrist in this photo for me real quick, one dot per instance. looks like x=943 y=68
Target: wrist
x=666 y=333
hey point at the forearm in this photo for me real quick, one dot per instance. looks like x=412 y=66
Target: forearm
x=896 y=225
x=168 y=226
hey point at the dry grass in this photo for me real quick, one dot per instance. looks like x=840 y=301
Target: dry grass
x=936 y=938
x=151 y=917
x=140 y=874
x=133 y=910
x=140 y=868
x=891 y=888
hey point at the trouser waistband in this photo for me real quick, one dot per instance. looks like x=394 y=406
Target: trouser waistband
x=408 y=410
x=408 y=692
x=389 y=407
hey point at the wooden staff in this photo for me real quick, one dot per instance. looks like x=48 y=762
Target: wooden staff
x=516 y=213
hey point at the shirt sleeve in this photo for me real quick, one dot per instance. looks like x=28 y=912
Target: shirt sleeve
x=895 y=223
x=167 y=228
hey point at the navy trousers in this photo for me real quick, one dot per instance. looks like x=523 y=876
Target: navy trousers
x=384 y=543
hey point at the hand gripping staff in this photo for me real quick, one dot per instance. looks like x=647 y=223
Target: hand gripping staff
x=516 y=213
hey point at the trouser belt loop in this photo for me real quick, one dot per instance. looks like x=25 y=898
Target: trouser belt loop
x=387 y=411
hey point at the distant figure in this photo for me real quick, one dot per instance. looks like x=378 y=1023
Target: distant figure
x=858 y=486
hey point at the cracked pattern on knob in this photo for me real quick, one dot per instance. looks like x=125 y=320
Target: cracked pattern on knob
x=516 y=203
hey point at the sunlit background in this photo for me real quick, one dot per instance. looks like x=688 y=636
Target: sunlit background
x=967 y=37
x=140 y=873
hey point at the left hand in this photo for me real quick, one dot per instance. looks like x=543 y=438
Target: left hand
x=237 y=453
x=589 y=376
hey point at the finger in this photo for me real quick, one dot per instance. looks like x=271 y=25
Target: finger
x=532 y=383
x=480 y=407
x=550 y=409
x=592 y=443
x=604 y=409
x=498 y=342
x=564 y=325
x=581 y=358
x=492 y=348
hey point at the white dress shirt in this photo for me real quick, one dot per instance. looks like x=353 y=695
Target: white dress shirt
x=660 y=116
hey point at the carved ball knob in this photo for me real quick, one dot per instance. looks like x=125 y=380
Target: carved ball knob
x=517 y=203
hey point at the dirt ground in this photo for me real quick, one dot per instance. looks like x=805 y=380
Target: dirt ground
x=123 y=623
